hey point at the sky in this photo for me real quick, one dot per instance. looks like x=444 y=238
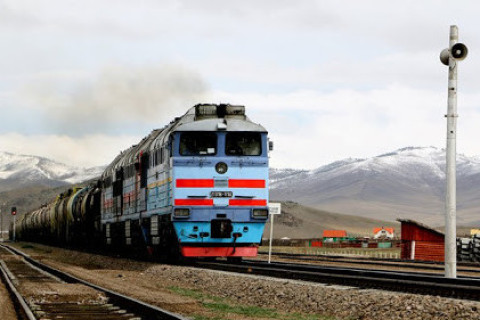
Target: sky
x=82 y=80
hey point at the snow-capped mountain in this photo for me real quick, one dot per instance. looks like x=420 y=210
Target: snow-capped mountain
x=22 y=170
x=407 y=183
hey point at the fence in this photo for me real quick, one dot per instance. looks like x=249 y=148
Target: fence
x=388 y=253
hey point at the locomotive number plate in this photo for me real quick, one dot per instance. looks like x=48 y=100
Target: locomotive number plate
x=221 y=194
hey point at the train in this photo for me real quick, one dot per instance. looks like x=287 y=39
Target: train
x=198 y=187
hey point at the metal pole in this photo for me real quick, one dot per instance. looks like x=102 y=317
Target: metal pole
x=451 y=183
x=271 y=236
x=1 y=224
x=14 y=221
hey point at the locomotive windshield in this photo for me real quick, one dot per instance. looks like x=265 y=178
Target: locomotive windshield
x=198 y=143
x=243 y=144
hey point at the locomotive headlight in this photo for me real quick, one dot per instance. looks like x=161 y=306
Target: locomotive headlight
x=260 y=213
x=181 y=213
x=221 y=167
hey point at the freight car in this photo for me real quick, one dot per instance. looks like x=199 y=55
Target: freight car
x=196 y=188
x=72 y=218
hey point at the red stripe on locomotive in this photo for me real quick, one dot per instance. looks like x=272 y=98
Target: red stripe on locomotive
x=247 y=202
x=246 y=183
x=195 y=183
x=194 y=202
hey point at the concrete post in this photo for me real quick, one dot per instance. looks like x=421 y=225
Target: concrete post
x=451 y=56
x=451 y=187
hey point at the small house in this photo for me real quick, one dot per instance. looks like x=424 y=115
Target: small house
x=383 y=233
x=334 y=235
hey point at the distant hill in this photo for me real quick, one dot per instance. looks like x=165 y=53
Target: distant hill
x=300 y=222
x=26 y=199
x=406 y=183
x=29 y=181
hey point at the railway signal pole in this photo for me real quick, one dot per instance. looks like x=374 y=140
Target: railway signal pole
x=14 y=214
x=450 y=57
x=1 y=223
x=2 y=212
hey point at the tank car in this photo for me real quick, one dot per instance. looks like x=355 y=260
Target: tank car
x=72 y=218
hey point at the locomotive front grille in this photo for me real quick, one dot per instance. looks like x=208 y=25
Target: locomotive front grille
x=221 y=228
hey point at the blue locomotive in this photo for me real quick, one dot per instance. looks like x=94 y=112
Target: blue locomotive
x=197 y=188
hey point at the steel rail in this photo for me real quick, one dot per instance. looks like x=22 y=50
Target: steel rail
x=144 y=310
x=417 y=283
x=21 y=307
x=427 y=265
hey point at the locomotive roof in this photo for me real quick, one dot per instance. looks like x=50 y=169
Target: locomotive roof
x=213 y=125
x=192 y=121
x=202 y=117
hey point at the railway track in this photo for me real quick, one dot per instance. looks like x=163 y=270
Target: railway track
x=463 y=267
x=42 y=292
x=467 y=288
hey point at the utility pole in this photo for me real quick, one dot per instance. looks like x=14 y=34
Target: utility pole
x=450 y=57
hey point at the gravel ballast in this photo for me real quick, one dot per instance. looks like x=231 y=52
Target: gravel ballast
x=299 y=296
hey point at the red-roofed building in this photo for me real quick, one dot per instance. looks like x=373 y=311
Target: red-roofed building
x=383 y=233
x=420 y=242
x=334 y=235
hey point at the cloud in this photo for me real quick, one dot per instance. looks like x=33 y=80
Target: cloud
x=86 y=151
x=311 y=128
x=327 y=82
x=11 y=17
x=419 y=70
x=374 y=20
x=120 y=96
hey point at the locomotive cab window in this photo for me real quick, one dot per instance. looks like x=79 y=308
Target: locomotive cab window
x=243 y=144
x=198 y=144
